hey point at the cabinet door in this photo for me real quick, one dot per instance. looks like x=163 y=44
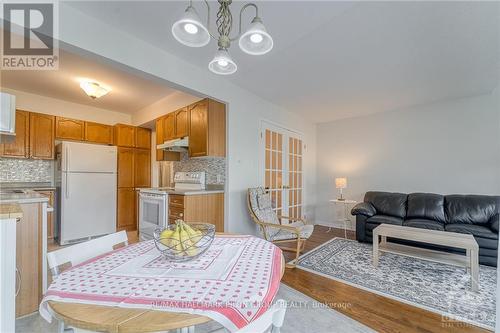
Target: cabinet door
x=169 y=127
x=143 y=138
x=125 y=135
x=20 y=146
x=69 y=129
x=181 y=123
x=125 y=167
x=198 y=129
x=142 y=168
x=98 y=133
x=159 y=138
x=126 y=209
x=42 y=136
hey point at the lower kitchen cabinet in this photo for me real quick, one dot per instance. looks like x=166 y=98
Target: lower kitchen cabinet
x=126 y=209
x=200 y=208
x=29 y=259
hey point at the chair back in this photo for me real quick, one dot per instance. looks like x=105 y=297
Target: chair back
x=261 y=210
x=270 y=321
x=78 y=253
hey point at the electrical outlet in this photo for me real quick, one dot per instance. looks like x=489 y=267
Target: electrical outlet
x=219 y=179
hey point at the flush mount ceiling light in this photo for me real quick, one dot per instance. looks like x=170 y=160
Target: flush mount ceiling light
x=190 y=31
x=93 y=89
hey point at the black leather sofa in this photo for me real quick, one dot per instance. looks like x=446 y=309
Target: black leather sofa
x=471 y=214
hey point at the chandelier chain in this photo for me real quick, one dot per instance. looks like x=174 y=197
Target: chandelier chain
x=224 y=20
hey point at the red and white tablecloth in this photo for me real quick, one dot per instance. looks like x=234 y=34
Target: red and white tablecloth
x=233 y=283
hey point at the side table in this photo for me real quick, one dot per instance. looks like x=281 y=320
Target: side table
x=345 y=218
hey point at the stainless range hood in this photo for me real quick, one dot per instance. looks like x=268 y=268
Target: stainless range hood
x=177 y=145
x=7 y=117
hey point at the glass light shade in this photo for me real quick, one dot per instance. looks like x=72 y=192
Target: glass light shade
x=93 y=89
x=256 y=40
x=340 y=182
x=189 y=30
x=222 y=63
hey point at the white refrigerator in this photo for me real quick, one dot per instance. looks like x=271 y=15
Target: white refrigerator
x=86 y=179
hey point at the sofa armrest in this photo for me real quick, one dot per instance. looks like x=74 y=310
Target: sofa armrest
x=364 y=208
x=494 y=222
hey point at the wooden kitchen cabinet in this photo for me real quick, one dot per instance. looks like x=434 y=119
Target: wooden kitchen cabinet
x=69 y=129
x=181 y=123
x=98 y=133
x=29 y=258
x=207 y=129
x=200 y=208
x=143 y=138
x=125 y=135
x=19 y=147
x=125 y=167
x=160 y=138
x=42 y=136
x=126 y=209
x=142 y=168
x=169 y=127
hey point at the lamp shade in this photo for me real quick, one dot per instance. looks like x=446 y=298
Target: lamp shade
x=341 y=182
x=222 y=63
x=189 y=30
x=93 y=89
x=256 y=40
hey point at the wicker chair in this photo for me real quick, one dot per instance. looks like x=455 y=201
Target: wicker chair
x=296 y=230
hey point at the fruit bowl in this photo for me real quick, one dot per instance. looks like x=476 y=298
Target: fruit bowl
x=182 y=241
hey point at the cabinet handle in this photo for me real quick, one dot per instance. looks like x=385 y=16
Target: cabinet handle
x=18 y=277
x=67 y=186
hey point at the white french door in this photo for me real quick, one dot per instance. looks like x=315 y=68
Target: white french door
x=282 y=169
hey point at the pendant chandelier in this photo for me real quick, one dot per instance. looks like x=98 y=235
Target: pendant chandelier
x=190 y=31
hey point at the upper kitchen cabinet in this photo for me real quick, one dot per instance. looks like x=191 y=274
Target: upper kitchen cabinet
x=42 y=128
x=207 y=129
x=143 y=138
x=20 y=146
x=98 y=133
x=160 y=136
x=181 y=123
x=142 y=168
x=169 y=127
x=125 y=135
x=69 y=129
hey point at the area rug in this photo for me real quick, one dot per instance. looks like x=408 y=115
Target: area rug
x=444 y=289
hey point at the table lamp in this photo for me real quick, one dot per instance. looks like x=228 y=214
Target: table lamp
x=341 y=183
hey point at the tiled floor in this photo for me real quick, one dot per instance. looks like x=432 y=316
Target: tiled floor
x=304 y=315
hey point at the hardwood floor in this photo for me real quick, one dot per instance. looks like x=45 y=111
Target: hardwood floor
x=377 y=312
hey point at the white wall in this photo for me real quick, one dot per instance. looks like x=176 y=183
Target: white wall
x=245 y=110
x=41 y=104
x=448 y=147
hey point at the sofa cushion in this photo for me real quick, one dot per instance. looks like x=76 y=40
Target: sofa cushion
x=385 y=219
x=387 y=203
x=494 y=221
x=424 y=224
x=473 y=229
x=471 y=209
x=426 y=206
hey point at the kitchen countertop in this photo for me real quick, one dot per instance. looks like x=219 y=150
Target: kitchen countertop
x=29 y=196
x=10 y=211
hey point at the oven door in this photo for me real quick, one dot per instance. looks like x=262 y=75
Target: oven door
x=152 y=212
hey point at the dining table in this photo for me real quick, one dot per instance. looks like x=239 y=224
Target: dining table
x=136 y=289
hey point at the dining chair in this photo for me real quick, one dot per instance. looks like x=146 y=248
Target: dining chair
x=62 y=259
x=271 y=224
x=271 y=321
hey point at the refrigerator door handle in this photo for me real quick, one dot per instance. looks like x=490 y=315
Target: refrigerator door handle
x=67 y=185
x=67 y=159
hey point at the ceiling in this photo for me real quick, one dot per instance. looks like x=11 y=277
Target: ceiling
x=129 y=92
x=334 y=60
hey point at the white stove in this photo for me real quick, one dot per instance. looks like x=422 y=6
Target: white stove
x=153 y=202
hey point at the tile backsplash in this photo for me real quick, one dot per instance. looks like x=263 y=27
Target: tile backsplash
x=26 y=171
x=212 y=166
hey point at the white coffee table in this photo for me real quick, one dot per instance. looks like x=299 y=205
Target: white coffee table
x=452 y=239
